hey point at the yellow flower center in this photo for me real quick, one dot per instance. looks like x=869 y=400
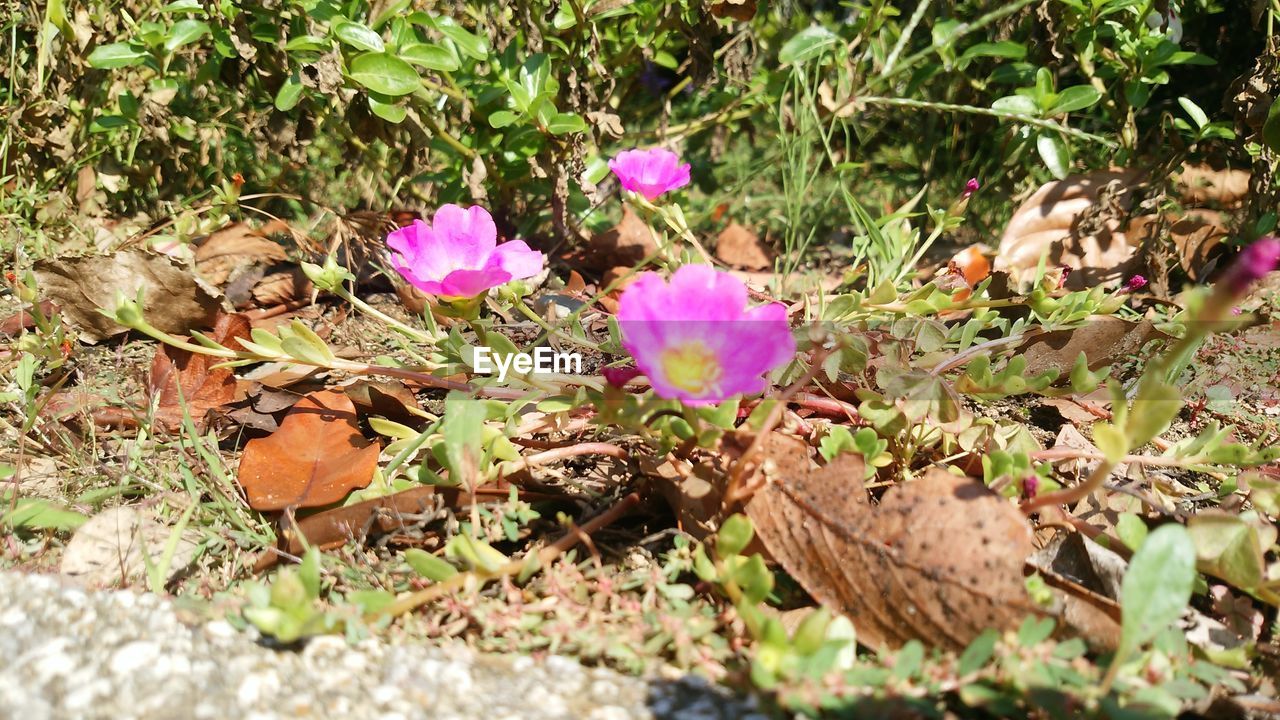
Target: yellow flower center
x=692 y=367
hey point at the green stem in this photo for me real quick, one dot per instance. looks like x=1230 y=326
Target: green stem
x=974 y=110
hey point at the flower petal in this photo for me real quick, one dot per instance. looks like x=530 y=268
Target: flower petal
x=516 y=258
x=467 y=236
x=469 y=283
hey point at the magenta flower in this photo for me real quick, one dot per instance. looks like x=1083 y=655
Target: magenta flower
x=1136 y=283
x=650 y=172
x=696 y=339
x=457 y=255
x=1255 y=262
x=971 y=187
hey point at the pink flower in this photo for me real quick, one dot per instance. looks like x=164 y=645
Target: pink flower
x=650 y=172
x=1255 y=262
x=696 y=340
x=1137 y=282
x=971 y=187
x=457 y=255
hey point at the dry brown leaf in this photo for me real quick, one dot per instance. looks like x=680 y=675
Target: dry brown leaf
x=738 y=246
x=281 y=287
x=1076 y=222
x=230 y=251
x=1104 y=339
x=175 y=300
x=180 y=378
x=387 y=399
x=1197 y=184
x=626 y=243
x=938 y=560
x=316 y=457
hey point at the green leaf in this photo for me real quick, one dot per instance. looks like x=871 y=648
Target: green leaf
x=358 y=36
x=37 y=514
x=387 y=109
x=1075 y=98
x=1156 y=405
x=502 y=118
x=734 y=535
x=462 y=429
x=432 y=57
x=309 y=572
x=1194 y=112
x=1004 y=49
x=565 y=123
x=979 y=653
x=1271 y=128
x=1156 y=587
x=1111 y=441
x=1229 y=547
x=385 y=74
x=290 y=93
x=185 y=32
x=116 y=55
x=307 y=43
x=1016 y=104
x=429 y=566
x=807 y=44
x=1131 y=530
x=1055 y=154
x=468 y=42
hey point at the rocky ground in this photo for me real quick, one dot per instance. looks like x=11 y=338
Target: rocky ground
x=75 y=654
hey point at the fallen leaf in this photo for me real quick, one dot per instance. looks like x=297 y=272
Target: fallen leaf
x=387 y=399
x=180 y=378
x=107 y=551
x=626 y=243
x=738 y=246
x=1103 y=339
x=175 y=300
x=227 y=253
x=316 y=457
x=281 y=287
x=1198 y=184
x=938 y=560
x=1078 y=222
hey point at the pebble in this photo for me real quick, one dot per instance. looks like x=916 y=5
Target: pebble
x=121 y=655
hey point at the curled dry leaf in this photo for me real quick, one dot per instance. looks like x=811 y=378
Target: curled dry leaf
x=316 y=457
x=175 y=300
x=1081 y=222
x=1103 y=339
x=184 y=379
x=740 y=247
x=938 y=560
x=1077 y=222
